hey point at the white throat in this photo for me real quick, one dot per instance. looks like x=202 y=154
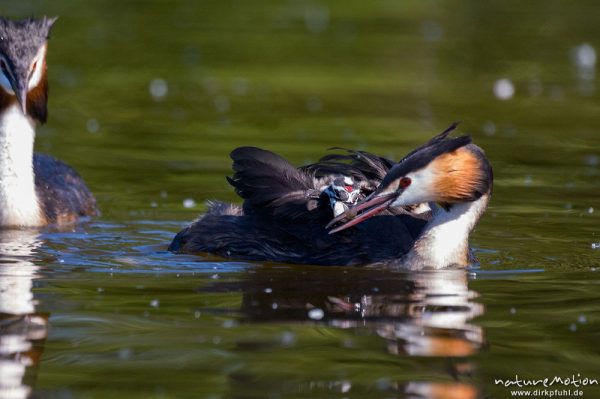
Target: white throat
x=18 y=199
x=445 y=239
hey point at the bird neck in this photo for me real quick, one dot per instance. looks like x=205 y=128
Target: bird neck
x=445 y=239
x=18 y=199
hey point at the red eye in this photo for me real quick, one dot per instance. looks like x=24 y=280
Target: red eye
x=349 y=188
x=405 y=182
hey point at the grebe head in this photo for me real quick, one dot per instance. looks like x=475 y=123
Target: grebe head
x=23 y=63
x=447 y=172
x=342 y=193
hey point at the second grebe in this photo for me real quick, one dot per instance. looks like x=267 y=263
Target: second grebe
x=35 y=189
x=448 y=171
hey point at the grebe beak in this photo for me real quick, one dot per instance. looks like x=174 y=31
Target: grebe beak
x=370 y=206
x=22 y=98
x=19 y=86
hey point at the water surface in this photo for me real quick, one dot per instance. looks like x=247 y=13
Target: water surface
x=148 y=98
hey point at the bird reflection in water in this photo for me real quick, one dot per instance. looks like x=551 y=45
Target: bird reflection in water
x=418 y=314
x=23 y=331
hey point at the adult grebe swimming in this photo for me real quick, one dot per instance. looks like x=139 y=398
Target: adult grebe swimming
x=451 y=175
x=458 y=187
x=35 y=189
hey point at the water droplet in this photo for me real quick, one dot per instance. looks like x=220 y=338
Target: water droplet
x=125 y=353
x=346 y=386
x=92 y=125
x=584 y=56
x=189 y=203
x=592 y=160
x=316 y=18
x=316 y=314
x=584 y=59
x=229 y=323
x=504 y=89
x=489 y=128
x=288 y=339
x=158 y=89
x=432 y=31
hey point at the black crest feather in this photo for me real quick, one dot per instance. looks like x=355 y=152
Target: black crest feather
x=423 y=155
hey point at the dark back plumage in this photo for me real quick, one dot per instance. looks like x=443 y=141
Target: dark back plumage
x=62 y=193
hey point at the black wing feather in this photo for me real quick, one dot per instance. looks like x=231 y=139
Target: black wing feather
x=271 y=185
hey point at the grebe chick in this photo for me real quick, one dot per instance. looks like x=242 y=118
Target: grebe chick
x=342 y=193
x=35 y=189
x=274 y=224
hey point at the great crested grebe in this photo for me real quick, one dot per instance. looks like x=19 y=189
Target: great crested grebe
x=35 y=189
x=450 y=175
x=455 y=178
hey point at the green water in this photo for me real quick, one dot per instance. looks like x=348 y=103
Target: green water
x=126 y=319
